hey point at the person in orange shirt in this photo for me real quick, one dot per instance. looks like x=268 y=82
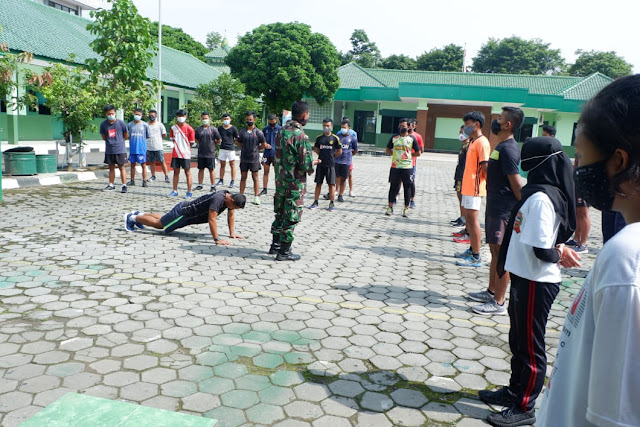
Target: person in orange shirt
x=474 y=186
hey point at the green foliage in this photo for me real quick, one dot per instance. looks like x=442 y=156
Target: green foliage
x=607 y=63
x=514 y=55
x=214 y=40
x=345 y=58
x=399 y=62
x=126 y=48
x=449 y=58
x=222 y=95
x=283 y=62
x=8 y=68
x=177 y=39
x=365 y=53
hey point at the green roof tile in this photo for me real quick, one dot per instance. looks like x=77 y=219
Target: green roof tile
x=219 y=52
x=353 y=76
x=587 y=88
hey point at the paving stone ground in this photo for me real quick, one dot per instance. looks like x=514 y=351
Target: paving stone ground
x=370 y=328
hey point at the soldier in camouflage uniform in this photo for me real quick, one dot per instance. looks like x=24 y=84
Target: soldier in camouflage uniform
x=293 y=162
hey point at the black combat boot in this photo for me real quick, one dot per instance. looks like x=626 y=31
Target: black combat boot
x=285 y=253
x=275 y=245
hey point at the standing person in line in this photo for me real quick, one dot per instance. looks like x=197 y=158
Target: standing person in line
x=474 y=187
x=354 y=134
x=533 y=250
x=293 y=163
x=138 y=134
x=183 y=137
x=596 y=373
x=503 y=193
x=114 y=132
x=270 y=132
x=413 y=123
x=457 y=184
x=229 y=135
x=345 y=160
x=251 y=141
x=327 y=148
x=207 y=138
x=155 y=151
x=402 y=147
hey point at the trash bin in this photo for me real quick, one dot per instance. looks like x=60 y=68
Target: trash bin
x=20 y=161
x=46 y=163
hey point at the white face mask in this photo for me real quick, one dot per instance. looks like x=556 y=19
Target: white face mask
x=205 y=121
x=226 y=122
x=111 y=117
x=182 y=119
x=137 y=117
x=344 y=131
x=462 y=137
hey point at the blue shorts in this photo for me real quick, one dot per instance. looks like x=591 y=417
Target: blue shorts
x=138 y=158
x=173 y=219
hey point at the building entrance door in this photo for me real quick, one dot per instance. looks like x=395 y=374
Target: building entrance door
x=364 y=123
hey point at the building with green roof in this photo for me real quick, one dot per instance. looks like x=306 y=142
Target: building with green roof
x=52 y=35
x=215 y=58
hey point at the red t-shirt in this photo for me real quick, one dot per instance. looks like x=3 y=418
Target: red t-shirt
x=183 y=137
x=418 y=138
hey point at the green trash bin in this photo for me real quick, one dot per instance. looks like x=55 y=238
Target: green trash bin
x=46 y=163
x=20 y=161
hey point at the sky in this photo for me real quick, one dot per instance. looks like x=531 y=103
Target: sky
x=415 y=26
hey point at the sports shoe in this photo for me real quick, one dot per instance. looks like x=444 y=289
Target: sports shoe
x=500 y=397
x=581 y=249
x=455 y=220
x=463 y=255
x=166 y=179
x=124 y=189
x=331 y=207
x=263 y=192
x=256 y=200
x=137 y=224
x=131 y=183
x=412 y=204
x=145 y=184
x=465 y=239
x=174 y=193
x=314 y=205
x=571 y=242
x=188 y=195
x=129 y=224
x=340 y=198
x=490 y=308
x=512 y=416
x=457 y=223
x=220 y=182
x=352 y=194
x=213 y=189
x=153 y=178
x=325 y=196
x=389 y=211
x=470 y=262
x=405 y=213
x=460 y=233
x=482 y=296
x=198 y=188
x=109 y=187
x=231 y=184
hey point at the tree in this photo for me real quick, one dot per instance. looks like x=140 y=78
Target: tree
x=214 y=40
x=8 y=68
x=399 y=62
x=449 y=58
x=125 y=53
x=283 y=62
x=365 y=53
x=607 y=63
x=514 y=55
x=222 y=95
x=179 y=40
x=345 y=58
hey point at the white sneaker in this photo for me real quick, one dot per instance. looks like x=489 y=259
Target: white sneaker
x=490 y=308
x=352 y=194
x=483 y=296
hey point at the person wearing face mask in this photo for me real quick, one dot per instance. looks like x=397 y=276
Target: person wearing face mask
x=354 y=134
x=207 y=138
x=270 y=133
x=138 y=134
x=183 y=137
x=413 y=123
x=532 y=252
x=345 y=160
x=457 y=181
x=250 y=140
x=401 y=147
x=114 y=132
x=327 y=148
x=596 y=374
x=229 y=135
x=155 y=151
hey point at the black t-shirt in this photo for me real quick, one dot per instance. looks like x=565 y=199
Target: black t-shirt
x=327 y=145
x=197 y=211
x=462 y=160
x=250 y=140
x=207 y=137
x=228 y=137
x=503 y=161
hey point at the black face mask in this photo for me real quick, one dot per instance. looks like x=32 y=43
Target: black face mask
x=273 y=125
x=303 y=121
x=249 y=123
x=496 y=127
x=402 y=129
x=593 y=185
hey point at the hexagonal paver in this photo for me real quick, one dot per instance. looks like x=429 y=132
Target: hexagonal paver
x=127 y=350
x=121 y=379
x=76 y=344
x=346 y=388
x=311 y=392
x=81 y=380
x=200 y=402
x=331 y=421
x=442 y=385
x=230 y=370
x=265 y=414
x=216 y=385
x=138 y=391
x=162 y=402
x=268 y=361
x=275 y=395
x=376 y=402
x=409 y=398
x=140 y=363
x=158 y=375
x=195 y=373
x=286 y=378
x=440 y=412
x=230 y=417
x=178 y=388
x=253 y=382
x=36 y=347
x=51 y=358
x=40 y=383
x=406 y=416
x=24 y=372
x=14 y=400
x=241 y=399
x=340 y=406
x=106 y=366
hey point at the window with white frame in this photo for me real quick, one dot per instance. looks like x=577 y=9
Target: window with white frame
x=318 y=112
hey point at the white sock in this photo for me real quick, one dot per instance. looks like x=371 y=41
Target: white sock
x=111 y=183
x=134 y=218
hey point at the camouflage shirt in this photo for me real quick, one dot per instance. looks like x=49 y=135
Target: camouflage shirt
x=293 y=160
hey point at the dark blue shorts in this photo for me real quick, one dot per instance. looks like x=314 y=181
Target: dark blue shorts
x=173 y=219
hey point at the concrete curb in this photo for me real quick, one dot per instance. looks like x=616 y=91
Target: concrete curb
x=11 y=183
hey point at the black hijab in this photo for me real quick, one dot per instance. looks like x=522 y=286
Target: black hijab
x=550 y=172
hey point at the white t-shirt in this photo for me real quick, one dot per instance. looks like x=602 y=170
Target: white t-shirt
x=596 y=375
x=536 y=225
x=155 y=142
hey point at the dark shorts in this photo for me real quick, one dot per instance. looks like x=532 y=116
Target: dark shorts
x=207 y=163
x=173 y=219
x=116 y=159
x=400 y=175
x=327 y=173
x=253 y=167
x=580 y=201
x=267 y=160
x=342 y=171
x=181 y=163
x=494 y=228
x=155 y=156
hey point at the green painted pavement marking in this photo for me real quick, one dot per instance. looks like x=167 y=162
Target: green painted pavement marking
x=80 y=410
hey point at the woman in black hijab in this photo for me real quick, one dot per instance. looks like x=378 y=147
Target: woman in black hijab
x=532 y=251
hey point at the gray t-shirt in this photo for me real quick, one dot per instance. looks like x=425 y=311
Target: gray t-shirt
x=154 y=143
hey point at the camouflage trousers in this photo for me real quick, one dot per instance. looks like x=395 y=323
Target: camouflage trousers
x=288 y=210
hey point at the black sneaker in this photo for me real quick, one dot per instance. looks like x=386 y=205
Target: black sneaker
x=198 y=188
x=500 y=397
x=512 y=416
x=457 y=223
x=124 y=189
x=144 y=184
x=340 y=198
x=263 y=192
x=326 y=196
x=213 y=189
x=109 y=187
x=131 y=183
